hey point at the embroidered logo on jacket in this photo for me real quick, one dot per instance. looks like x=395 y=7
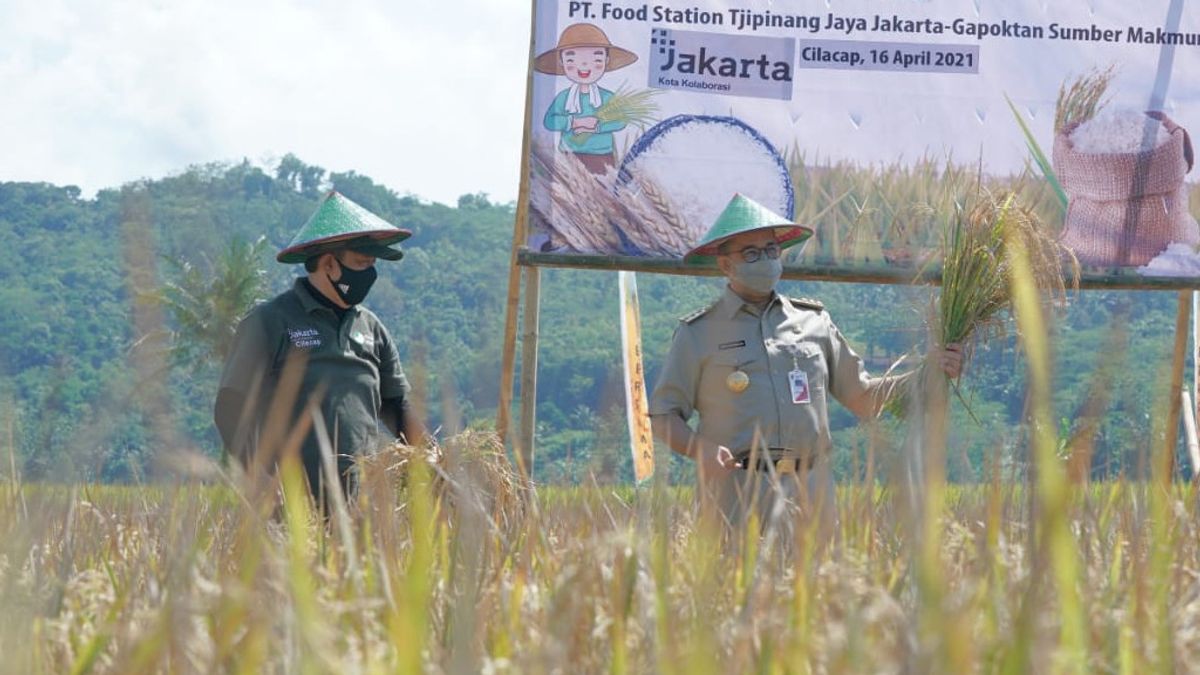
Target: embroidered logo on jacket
x=304 y=338
x=367 y=341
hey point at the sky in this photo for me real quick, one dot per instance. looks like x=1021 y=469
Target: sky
x=424 y=96
x=424 y=99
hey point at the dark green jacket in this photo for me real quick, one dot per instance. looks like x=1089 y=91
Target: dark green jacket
x=347 y=368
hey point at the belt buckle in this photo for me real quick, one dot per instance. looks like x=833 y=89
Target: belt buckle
x=787 y=466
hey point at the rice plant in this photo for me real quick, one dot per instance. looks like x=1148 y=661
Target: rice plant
x=1080 y=100
x=978 y=267
x=449 y=575
x=1077 y=102
x=892 y=215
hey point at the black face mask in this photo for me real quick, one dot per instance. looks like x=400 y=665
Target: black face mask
x=353 y=285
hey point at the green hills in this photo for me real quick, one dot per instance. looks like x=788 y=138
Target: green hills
x=88 y=388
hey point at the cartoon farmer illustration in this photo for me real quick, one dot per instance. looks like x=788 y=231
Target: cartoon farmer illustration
x=584 y=54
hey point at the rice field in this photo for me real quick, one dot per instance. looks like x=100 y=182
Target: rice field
x=895 y=214
x=465 y=569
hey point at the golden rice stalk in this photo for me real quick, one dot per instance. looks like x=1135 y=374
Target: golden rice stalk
x=681 y=235
x=629 y=106
x=650 y=219
x=1080 y=101
x=586 y=212
x=478 y=468
x=977 y=270
x=571 y=201
x=469 y=466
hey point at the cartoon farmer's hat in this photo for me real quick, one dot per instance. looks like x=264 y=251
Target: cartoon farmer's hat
x=582 y=36
x=339 y=223
x=741 y=215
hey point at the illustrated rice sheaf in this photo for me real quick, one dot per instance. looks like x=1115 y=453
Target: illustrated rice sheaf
x=696 y=163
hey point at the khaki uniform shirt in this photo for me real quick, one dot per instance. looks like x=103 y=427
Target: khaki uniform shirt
x=352 y=362
x=790 y=334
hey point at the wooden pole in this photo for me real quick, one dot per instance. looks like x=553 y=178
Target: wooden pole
x=1195 y=359
x=509 y=348
x=1183 y=317
x=529 y=346
x=827 y=270
x=1189 y=428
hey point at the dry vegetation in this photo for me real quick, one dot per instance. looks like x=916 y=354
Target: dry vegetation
x=461 y=570
x=448 y=561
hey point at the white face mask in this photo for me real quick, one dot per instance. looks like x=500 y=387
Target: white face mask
x=759 y=276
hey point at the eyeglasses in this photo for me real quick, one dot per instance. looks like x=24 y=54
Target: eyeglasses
x=752 y=253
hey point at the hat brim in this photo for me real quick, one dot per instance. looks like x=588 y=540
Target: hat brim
x=550 y=64
x=370 y=243
x=378 y=251
x=786 y=236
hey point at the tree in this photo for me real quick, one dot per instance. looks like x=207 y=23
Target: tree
x=303 y=178
x=207 y=303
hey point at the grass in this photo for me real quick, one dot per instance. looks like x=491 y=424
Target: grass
x=195 y=578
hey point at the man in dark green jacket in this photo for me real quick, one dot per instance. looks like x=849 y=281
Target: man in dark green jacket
x=312 y=362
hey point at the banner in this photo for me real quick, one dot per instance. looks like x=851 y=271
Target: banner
x=637 y=409
x=873 y=122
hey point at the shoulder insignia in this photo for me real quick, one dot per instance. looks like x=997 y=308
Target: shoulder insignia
x=689 y=318
x=808 y=303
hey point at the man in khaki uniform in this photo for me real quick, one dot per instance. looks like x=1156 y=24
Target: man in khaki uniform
x=759 y=368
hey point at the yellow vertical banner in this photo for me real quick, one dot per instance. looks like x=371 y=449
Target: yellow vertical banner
x=637 y=409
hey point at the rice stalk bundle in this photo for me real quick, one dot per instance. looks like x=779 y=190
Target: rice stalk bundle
x=470 y=465
x=629 y=106
x=654 y=223
x=393 y=462
x=588 y=214
x=571 y=201
x=476 y=466
x=977 y=270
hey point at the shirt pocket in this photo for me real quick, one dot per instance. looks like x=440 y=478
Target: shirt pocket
x=364 y=345
x=811 y=359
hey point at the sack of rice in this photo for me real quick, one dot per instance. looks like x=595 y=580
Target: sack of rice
x=1123 y=172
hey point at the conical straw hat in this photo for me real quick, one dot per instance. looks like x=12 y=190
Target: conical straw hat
x=582 y=36
x=340 y=223
x=741 y=215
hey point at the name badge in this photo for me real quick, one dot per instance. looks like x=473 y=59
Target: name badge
x=798 y=379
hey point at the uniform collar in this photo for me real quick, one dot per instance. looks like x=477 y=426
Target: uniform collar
x=786 y=303
x=731 y=303
x=312 y=304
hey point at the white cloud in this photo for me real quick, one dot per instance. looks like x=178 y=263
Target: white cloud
x=423 y=96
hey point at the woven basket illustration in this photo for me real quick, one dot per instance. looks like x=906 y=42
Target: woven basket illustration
x=1125 y=208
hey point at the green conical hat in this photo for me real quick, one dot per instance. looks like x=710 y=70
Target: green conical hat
x=340 y=223
x=746 y=215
